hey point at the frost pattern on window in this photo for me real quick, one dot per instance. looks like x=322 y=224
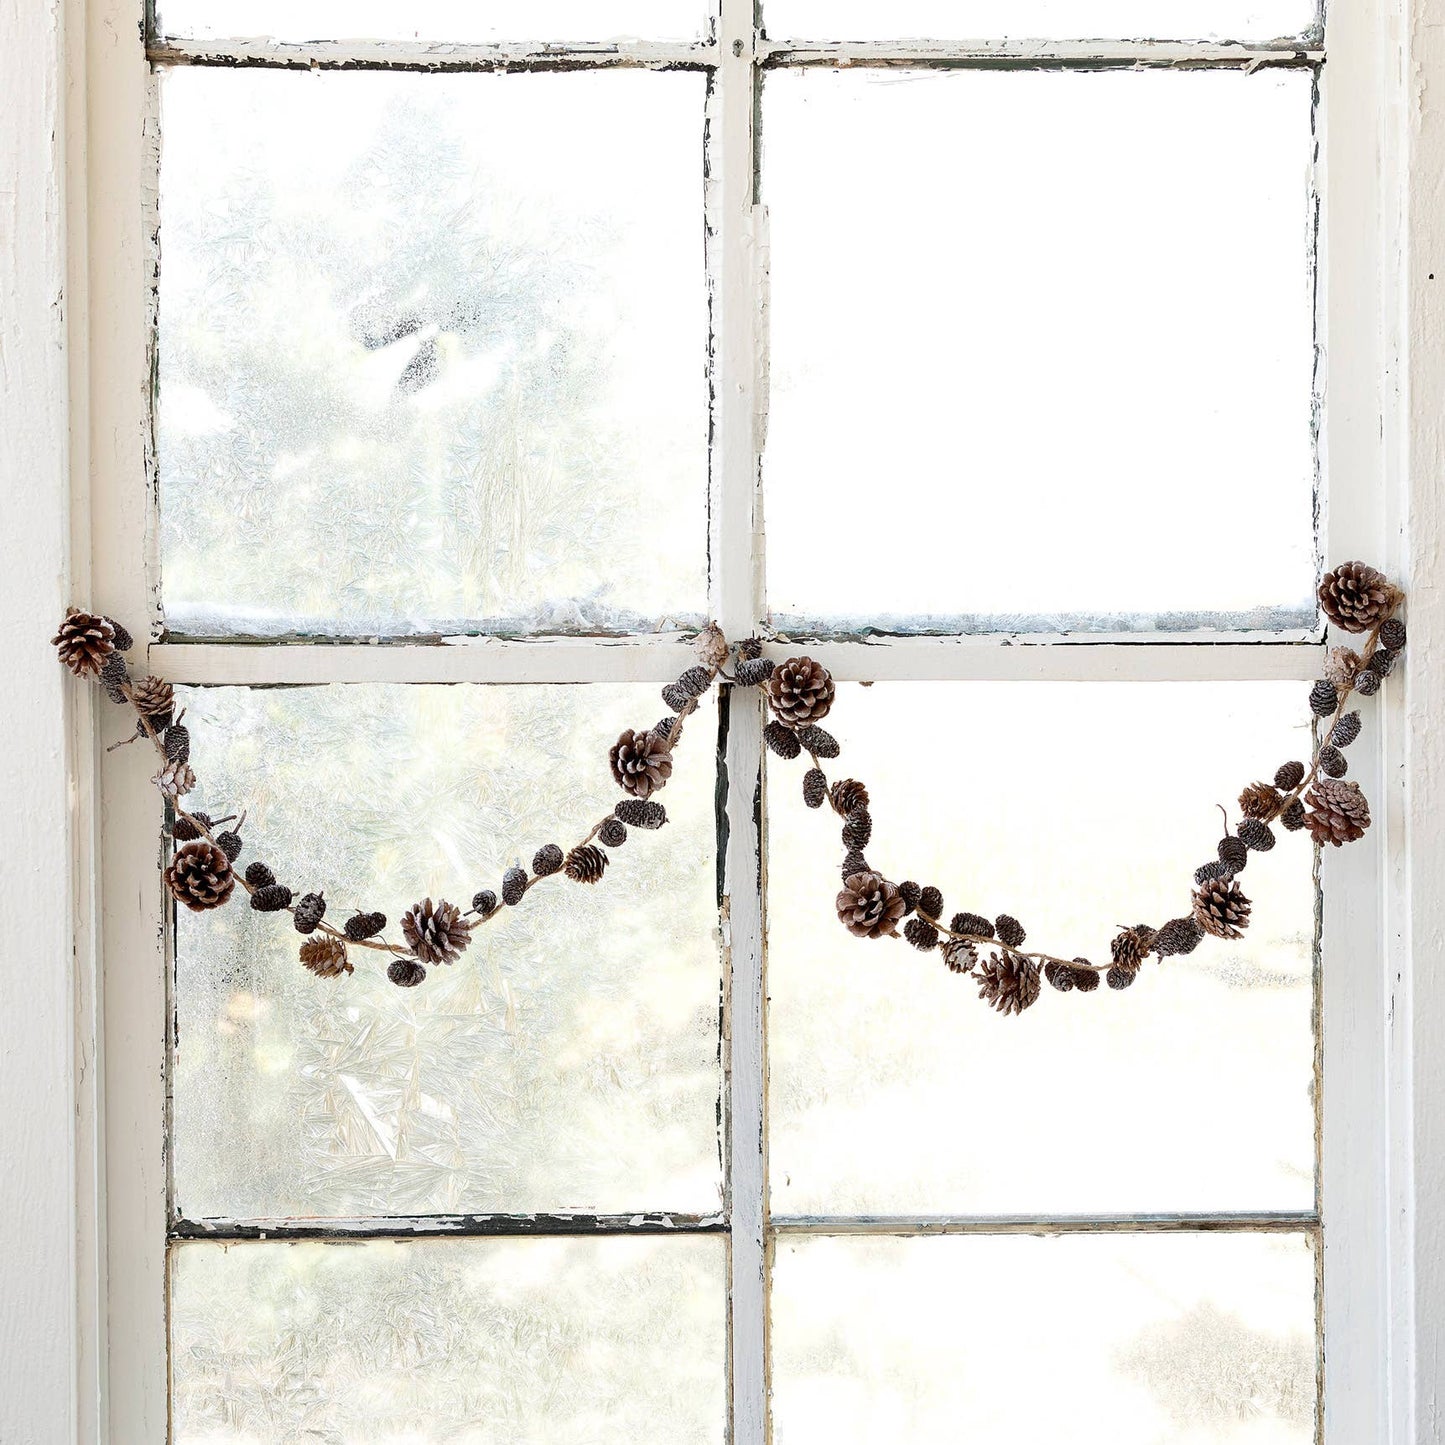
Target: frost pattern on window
x=568 y=1060
x=450 y=1342
x=1094 y=1339
x=432 y=352
x=1045 y=340
x=1075 y=806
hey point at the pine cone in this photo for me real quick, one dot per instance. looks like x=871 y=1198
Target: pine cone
x=695 y=681
x=752 y=671
x=637 y=813
x=819 y=742
x=666 y=731
x=1324 y=698
x=1346 y=730
x=123 y=640
x=1289 y=776
x=155 y=698
x=308 y=913
x=960 y=955
x=815 y=787
x=676 y=698
x=484 y=903
x=972 y=923
x=114 y=674
x=1293 y=816
x=640 y=765
x=176 y=743
x=586 y=863
x=1121 y=975
x=613 y=833
x=435 y=932
x=858 y=830
x=1392 y=634
x=930 y=901
x=921 y=934
x=1216 y=869
x=869 y=906
x=405 y=972
x=1382 y=661
x=1256 y=835
x=853 y=862
x=514 y=886
x=1332 y=762
x=1086 y=976
x=1342 y=666
x=364 y=925
x=800 y=691
x=325 y=956
x=84 y=641
x=1355 y=596
x=911 y=894
x=1059 y=975
x=258 y=875
x=1259 y=800
x=273 y=898
x=546 y=861
x=711 y=647
x=1368 y=683
x=750 y=649
x=1233 y=854
x=1131 y=947
x=1008 y=929
x=200 y=876
x=848 y=796
x=184 y=828
x=1339 y=812
x=175 y=780
x=1008 y=982
x=230 y=844
x=1178 y=936
x=1221 y=909
x=782 y=740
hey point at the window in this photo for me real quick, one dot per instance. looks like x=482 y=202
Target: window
x=493 y=355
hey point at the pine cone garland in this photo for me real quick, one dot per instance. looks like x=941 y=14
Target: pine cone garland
x=1324 y=698
x=435 y=932
x=155 y=699
x=175 y=780
x=364 y=925
x=869 y=906
x=1355 y=596
x=514 y=886
x=753 y=671
x=1256 y=835
x=273 y=898
x=640 y=764
x=1178 y=936
x=858 y=830
x=1392 y=634
x=640 y=813
x=974 y=924
x=1289 y=776
x=800 y=691
x=546 y=861
x=1339 y=812
x=815 y=787
x=1259 y=800
x=1332 y=762
x=1293 y=817
x=848 y=796
x=84 y=641
x=586 y=863
x=1342 y=666
x=819 y=742
x=200 y=876
x=1346 y=730
x=309 y=911
x=782 y=740
x=405 y=972
x=325 y=956
x=1221 y=908
x=1007 y=982
x=921 y=934
x=613 y=833
x=1008 y=929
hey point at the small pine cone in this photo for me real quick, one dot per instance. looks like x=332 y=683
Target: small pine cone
x=405 y=972
x=930 y=901
x=675 y=697
x=783 y=741
x=1086 y=976
x=1216 y=869
x=820 y=741
x=1259 y=800
x=1059 y=975
x=752 y=671
x=176 y=742
x=640 y=813
x=155 y=699
x=640 y=764
x=258 y=875
x=921 y=934
x=1346 y=730
x=1382 y=661
x=800 y=691
x=1392 y=634
x=1289 y=776
x=667 y=730
x=273 y=898
x=1324 y=698
x=586 y=863
x=435 y=932
x=1256 y=835
x=613 y=833
x=548 y=860
x=114 y=673
x=1339 y=812
x=484 y=903
x=325 y=956
x=858 y=830
x=1178 y=936
x=1120 y=976
x=869 y=905
x=972 y=923
x=1221 y=909
x=695 y=681
x=1131 y=947
x=514 y=886
x=1367 y=684
x=184 y=828
x=960 y=955
x=175 y=780
x=711 y=647
x=122 y=641
x=84 y=641
x=364 y=925
x=1009 y=930
x=750 y=649
x=847 y=796
x=854 y=862
x=1342 y=666
x=1293 y=817
x=1332 y=762
x=308 y=913
x=1010 y=983
x=815 y=787
x=1355 y=597
x=230 y=844
x=200 y=876
x=1233 y=853
x=911 y=893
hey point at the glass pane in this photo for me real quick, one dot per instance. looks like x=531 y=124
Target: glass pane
x=1048 y=338
x=1093 y=1339
x=1075 y=807
x=1039 y=19
x=432 y=352
x=450 y=1342
x=458 y=20
x=568 y=1061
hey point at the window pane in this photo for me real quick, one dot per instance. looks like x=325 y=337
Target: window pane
x=1039 y=19
x=1047 y=336
x=458 y=20
x=433 y=352
x=1093 y=1339
x=568 y=1061
x=1076 y=807
x=486 y=1342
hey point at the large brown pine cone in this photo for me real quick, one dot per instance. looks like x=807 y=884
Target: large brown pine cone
x=1355 y=596
x=84 y=641
x=1221 y=908
x=801 y=691
x=1010 y=983
x=435 y=932
x=1131 y=947
x=155 y=698
x=200 y=876
x=1260 y=800
x=869 y=905
x=1339 y=812
x=641 y=763
x=325 y=956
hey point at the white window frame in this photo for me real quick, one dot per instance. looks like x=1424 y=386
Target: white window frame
x=82 y=1275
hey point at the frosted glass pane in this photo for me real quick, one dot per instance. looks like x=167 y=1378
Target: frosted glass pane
x=432 y=352
x=450 y=1342
x=459 y=20
x=1096 y=1340
x=1045 y=338
x=1039 y=19
x=568 y=1060
x=1076 y=807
